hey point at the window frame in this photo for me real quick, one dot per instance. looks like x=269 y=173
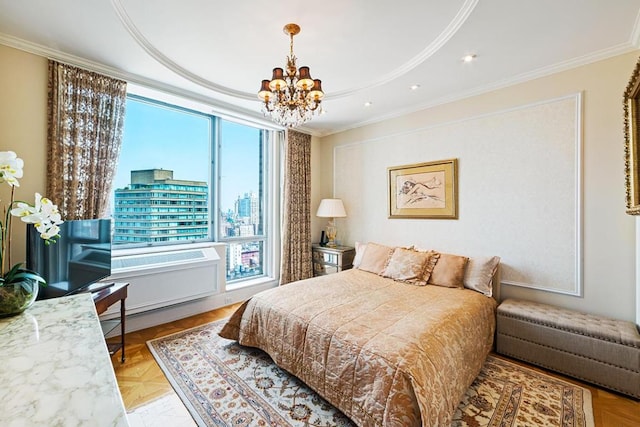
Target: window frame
x=271 y=140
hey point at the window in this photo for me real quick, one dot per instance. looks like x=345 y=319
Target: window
x=177 y=167
x=241 y=221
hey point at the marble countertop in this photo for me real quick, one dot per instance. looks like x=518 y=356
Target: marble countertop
x=55 y=368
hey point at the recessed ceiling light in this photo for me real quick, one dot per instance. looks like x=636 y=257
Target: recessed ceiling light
x=414 y=87
x=469 y=58
x=368 y=104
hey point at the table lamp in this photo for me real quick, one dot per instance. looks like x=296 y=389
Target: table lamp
x=331 y=208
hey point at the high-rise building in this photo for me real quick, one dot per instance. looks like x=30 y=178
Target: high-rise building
x=157 y=208
x=248 y=210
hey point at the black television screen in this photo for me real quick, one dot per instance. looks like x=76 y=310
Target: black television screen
x=80 y=257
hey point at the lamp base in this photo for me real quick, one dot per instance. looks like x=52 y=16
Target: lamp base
x=332 y=232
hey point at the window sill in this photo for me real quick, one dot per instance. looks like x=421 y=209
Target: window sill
x=242 y=284
x=141 y=250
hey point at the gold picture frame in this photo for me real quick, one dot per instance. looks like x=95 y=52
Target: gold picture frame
x=632 y=142
x=424 y=190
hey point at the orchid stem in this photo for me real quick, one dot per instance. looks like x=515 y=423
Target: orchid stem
x=8 y=222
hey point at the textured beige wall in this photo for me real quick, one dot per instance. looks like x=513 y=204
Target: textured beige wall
x=23 y=127
x=608 y=233
x=320 y=187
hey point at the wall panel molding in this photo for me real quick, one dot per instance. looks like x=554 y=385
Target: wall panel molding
x=520 y=190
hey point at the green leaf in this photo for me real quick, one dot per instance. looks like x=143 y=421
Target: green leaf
x=28 y=275
x=18 y=274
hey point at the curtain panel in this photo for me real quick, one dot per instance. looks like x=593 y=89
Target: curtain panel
x=296 y=226
x=85 y=119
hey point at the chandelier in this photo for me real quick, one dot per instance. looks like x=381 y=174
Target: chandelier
x=291 y=99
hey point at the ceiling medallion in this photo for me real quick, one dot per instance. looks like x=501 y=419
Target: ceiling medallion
x=291 y=99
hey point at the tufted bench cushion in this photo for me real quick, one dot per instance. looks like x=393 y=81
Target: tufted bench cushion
x=596 y=349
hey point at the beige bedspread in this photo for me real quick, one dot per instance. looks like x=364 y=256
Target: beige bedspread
x=385 y=353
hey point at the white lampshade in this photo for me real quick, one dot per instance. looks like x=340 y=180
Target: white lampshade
x=331 y=208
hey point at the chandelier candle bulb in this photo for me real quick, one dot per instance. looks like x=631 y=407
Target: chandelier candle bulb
x=316 y=92
x=265 y=91
x=277 y=79
x=291 y=97
x=304 y=80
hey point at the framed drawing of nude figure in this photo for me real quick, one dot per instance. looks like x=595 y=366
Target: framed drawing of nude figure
x=424 y=190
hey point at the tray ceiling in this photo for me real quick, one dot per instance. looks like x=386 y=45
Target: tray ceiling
x=364 y=51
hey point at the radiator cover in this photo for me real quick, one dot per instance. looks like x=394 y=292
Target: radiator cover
x=161 y=279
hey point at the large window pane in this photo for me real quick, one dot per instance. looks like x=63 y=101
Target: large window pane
x=163 y=178
x=241 y=199
x=176 y=165
x=246 y=259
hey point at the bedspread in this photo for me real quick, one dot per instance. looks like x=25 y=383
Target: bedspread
x=384 y=352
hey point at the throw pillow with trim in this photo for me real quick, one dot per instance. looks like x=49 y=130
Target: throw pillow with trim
x=407 y=265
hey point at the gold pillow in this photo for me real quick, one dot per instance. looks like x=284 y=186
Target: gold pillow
x=375 y=258
x=449 y=271
x=407 y=265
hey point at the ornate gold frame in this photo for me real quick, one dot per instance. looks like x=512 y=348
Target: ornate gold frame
x=632 y=142
x=438 y=202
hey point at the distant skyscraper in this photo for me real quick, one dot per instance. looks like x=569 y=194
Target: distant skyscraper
x=243 y=258
x=248 y=210
x=157 y=208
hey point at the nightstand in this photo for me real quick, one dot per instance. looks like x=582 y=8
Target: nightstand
x=328 y=260
x=104 y=296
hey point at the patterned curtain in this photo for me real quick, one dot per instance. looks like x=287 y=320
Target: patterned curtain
x=296 y=227
x=86 y=117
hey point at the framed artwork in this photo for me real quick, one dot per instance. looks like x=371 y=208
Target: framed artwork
x=632 y=142
x=424 y=190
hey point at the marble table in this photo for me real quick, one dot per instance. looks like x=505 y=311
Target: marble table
x=55 y=368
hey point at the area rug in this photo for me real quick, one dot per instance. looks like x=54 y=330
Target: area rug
x=225 y=384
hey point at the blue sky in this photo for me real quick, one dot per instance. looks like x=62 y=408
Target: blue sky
x=156 y=137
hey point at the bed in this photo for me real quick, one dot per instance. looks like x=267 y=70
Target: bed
x=383 y=351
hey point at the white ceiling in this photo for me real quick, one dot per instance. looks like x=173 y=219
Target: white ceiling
x=363 y=50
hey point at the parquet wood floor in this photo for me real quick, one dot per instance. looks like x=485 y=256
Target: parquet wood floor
x=141 y=381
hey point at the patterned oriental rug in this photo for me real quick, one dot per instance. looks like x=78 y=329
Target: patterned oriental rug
x=224 y=384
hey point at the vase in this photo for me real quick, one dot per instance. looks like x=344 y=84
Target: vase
x=17 y=297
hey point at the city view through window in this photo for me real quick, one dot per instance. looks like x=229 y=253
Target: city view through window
x=165 y=188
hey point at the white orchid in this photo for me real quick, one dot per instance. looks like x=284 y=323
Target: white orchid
x=43 y=214
x=25 y=212
x=10 y=168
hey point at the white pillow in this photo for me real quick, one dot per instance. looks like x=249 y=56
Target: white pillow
x=360 y=247
x=479 y=272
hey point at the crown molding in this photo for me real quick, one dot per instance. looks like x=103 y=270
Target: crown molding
x=634 y=39
x=521 y=78
x=66 y=58
x=216 y=106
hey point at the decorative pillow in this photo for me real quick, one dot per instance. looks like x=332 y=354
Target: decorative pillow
x=360 y=247
x=449 y=271
x=375 y=258
x=480 y=271
x=407 y=265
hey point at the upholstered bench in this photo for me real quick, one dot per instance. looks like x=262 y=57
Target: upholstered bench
x=595 y=349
